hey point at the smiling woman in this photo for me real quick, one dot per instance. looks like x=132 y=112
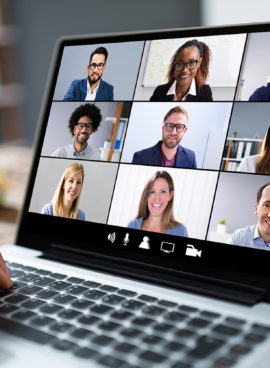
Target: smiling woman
x=155 y=211
x=65 y=202
x=187 y=73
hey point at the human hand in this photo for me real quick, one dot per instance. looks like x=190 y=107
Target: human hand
x=5 y=281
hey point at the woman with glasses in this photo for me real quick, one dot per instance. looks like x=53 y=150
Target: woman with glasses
x=155 y=211
x=65 y=202
x=187 y=73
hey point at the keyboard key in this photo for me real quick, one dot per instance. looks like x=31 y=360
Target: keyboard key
x=70 y=314
x=205 y=346
x=23 y=315
x=50 y=308
x=240 y=350
x=175 y=346
x=224 y=362
x=29 y=277
x=82 y=304
x=16 y=298
x=61 y=327
x=58 y=276
x=167 y=303
x=91 y=284
x=64 y=299
x=147 y=298
x=175 y=317
x=80 y=333
x=125 y=348
x=87 y=353
x=109 y=326
x=152 y=357
x=121 y=315
x=199 y=323
x=101 y=309
x=162 y=327
x=108 y=288
x=43 y=281
x=254 y=338
x=113 y=299
x=76 y=290
x=226 y=330
x=33 y=303
x=182 y=365
x=75 y=280
x=210 y=315
x=127 y=293
x=111 y=362
x=4 y=293
x=42 y=321
x=130 y=332
x=142 y=321
x=153 y=310
x=235 y=321
x=43 y=272
x=28 y=268
x=152 y=339
x=89 y=320
x=64 y=345
x=261 y=328
x=16 y=273
x=30 y=289
x=94 y=294
x=29 y=333
x=185 y=334
x=59 y=285
x=103 y=340
x=8 y=308
x=133 y=304
x=187 y=308
x=47 y=294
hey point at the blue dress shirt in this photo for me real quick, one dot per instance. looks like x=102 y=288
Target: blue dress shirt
x=249 y=237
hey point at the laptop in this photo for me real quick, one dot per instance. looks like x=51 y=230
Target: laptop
x=142 y=241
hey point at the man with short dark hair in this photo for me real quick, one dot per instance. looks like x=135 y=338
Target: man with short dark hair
x=256 y=236
x=84 y=121
x=92 y=88
x=169 y=152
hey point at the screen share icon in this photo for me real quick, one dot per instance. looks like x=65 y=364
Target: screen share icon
x=167 y=247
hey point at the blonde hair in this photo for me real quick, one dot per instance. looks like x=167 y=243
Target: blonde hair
x=263 y=163
x=168 y=220
x=57 y=200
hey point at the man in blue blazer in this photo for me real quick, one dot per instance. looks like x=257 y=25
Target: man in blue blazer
x=92 y=88
x=169 y=152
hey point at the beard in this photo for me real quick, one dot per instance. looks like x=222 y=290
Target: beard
x=170 y=144
x=95 y=80
x=81 y=138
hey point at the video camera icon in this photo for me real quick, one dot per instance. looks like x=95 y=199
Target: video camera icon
x=191 y=251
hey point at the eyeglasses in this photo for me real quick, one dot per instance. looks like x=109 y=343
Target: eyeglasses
x=169 y=127
x=180 y=65
x=87 y=126
x=99 y=66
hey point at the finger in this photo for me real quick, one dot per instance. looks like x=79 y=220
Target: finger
x=5 y=281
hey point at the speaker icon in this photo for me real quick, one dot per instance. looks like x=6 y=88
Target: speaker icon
x=111 y=237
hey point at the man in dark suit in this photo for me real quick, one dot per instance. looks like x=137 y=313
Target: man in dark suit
x=93 y=87
x=169 y=152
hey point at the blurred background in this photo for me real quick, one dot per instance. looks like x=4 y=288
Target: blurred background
x=28 y=32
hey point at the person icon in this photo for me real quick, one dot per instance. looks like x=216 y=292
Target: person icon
x=145 y=244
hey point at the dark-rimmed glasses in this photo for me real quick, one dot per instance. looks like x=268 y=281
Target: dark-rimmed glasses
x=169 y=127
x=180 y=65
x=87 y=126
x=99 y=66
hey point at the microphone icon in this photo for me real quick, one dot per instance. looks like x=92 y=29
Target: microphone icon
x=126 y=239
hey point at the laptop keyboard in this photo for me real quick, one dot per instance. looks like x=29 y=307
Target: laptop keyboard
x=119 y=327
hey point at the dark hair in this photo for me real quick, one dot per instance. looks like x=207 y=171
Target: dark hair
x=263 y=163
x=205 y=54
x=89 y=110
x=260 y=190
x=168 y=220
x=177 y=109
x=99 y=50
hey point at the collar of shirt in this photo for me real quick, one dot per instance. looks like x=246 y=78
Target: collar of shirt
x=77 y=154
x=91 y=96
x=191 y=91
x=256 y=236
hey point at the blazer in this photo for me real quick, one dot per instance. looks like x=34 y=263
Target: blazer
x=152 y=156
x=78 y=89
x=160 y=93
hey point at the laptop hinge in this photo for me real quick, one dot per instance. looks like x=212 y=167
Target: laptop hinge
x=207 y=286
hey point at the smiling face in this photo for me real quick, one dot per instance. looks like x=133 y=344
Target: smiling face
x=184 y=77
x=82 y=135
x=72 y=187
x=159 y=196
x=173 y=138
x=95 y=75
x=262 y=210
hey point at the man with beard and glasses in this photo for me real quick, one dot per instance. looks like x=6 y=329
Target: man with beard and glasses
x=84 y=121
x=169 y=152
x=92 y=88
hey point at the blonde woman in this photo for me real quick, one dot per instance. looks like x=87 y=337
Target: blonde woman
x=259 y=164
x=65 y=202
x=155 y=211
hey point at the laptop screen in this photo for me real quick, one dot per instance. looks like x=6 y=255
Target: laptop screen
x=154 y=148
